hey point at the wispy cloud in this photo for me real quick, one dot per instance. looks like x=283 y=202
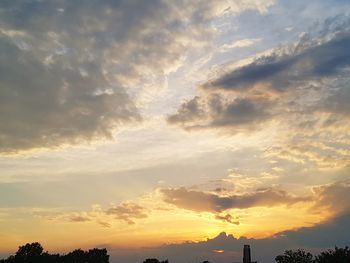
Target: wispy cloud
x=127 y=212
x=242 y=43
x=79 y=219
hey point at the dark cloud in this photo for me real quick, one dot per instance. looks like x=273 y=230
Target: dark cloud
x=334 y=197
x=239 y=112
x=228 y=218
x=323 y=235
x=216 y=111
x=67 y=66
x=294 y=82
x=47 y=106
x=54 y=86
x=260 y=70
x=127 y=212
x=210 y=202
x=189 y=111
x=280 y=69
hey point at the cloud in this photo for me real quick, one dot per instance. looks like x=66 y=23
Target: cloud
x=280 y=69
x=127 y=212
x=54 y=88
x=209 y=202
x=189 y=111
x=227 y=218
x=104 y=224
x=80 y=219
x=333 y=197
x=238 y=112
x=301 y=85
x=314 y=153
x=315 y=238
x=68 y=68
x=216 y=111
x=247 y=42
x=334 y=231
x=323 y=235
x=338 y=101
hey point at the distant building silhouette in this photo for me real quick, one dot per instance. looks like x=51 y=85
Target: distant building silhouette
x=246 y=255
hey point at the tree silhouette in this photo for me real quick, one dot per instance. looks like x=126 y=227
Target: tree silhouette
x=29 y=252
x=33 y=253
x=154 y=260
x=298 y=256
x=338 y=255
x=97 y=256
x=76 y=256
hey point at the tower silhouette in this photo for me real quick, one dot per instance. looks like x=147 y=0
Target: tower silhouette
x=246 y=254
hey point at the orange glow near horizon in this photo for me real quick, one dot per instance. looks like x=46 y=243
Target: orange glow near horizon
x=161 y=228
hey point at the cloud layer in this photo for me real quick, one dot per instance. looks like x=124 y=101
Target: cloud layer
x=73 y=72
x=297 y=81
x=279 y=70
x=210 y=202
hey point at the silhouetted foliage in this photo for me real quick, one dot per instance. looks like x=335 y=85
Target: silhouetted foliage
x=29 y=253
x=97 y=256
x=298 y=256
x=338 y=255
x=154 y=260
x=76 y=256
x=33 y=253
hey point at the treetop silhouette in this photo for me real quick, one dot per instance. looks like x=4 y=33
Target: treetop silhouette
x=33 y=253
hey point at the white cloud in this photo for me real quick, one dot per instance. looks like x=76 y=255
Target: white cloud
x=247 y=42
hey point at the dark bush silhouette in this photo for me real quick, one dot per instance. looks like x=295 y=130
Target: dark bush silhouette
x=76 y=256
x=33 y=253
x=298 y=256
x=29 y=253
x=154 y=260
x=338 y=255
x=97 y=256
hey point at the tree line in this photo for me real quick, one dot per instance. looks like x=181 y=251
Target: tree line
x=34 y=253
x=336 y=255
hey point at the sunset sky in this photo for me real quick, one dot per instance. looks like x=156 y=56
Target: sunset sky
x=175 y=129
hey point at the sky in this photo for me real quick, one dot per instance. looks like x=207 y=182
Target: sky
x=179 y=129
